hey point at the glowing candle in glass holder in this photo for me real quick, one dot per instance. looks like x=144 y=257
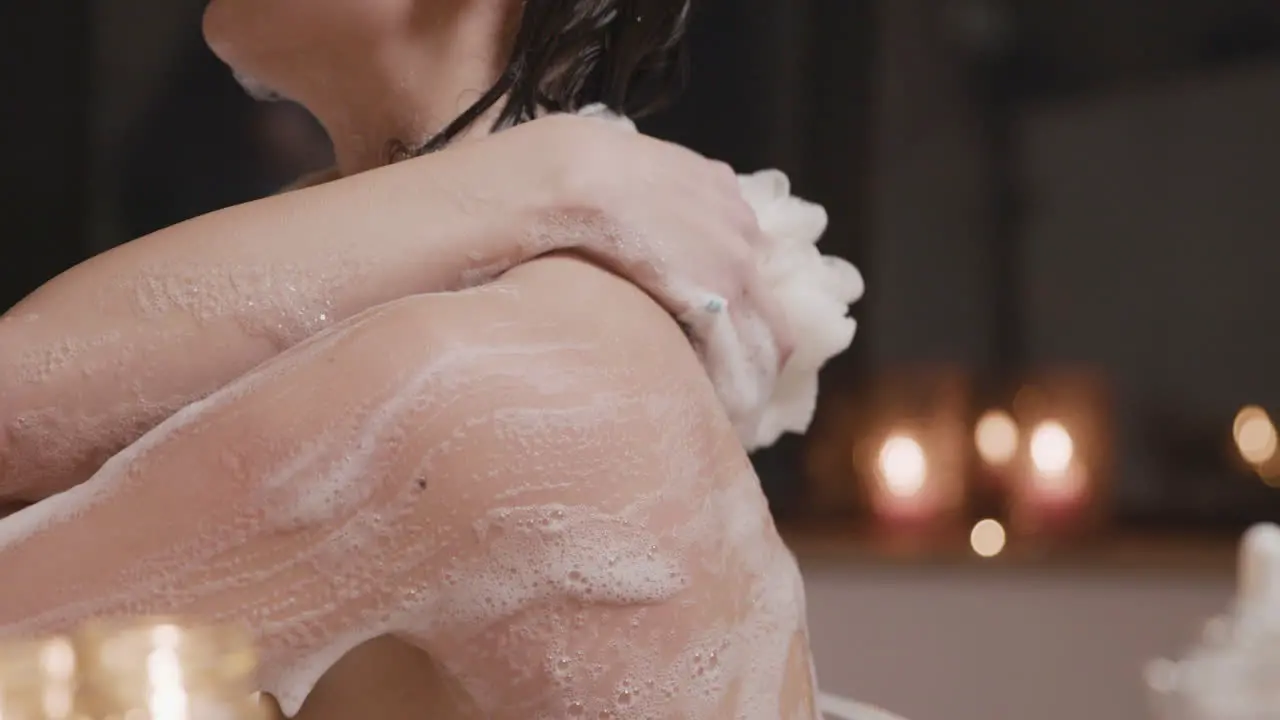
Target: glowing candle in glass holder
x=1055 y=489
x=996 y=438
x=1058 y=482
x=1255 y=435
x=1056 y=474
x=1258 y=443
x=902 y=479
x=903 y=466
x=912 y=456
x=911 y=484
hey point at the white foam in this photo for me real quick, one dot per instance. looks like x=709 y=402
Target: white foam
x=1233 y=671
x=1259 y=569
x=281 y=302
x=814 y=292
x=51 y=445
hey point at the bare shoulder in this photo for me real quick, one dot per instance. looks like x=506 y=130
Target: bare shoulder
x=559 y=333
x=604 y=549
x=567 y=297
x=560 y=359
x=604 y=489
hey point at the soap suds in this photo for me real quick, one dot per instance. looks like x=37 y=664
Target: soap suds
x=1232 y=671
x=49 y=447
x=36 y=365
x=281 y=302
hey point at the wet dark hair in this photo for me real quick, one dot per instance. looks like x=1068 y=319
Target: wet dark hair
x=629 y=55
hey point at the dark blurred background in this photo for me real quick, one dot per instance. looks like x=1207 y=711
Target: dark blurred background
x=1066 y=210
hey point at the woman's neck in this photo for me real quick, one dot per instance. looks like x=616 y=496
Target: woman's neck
x=415 y=84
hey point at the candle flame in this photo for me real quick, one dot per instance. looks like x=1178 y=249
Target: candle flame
x=996 y=437
x=903 y=466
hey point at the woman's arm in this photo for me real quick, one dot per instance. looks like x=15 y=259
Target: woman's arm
x=506 y=481
x=108 y=349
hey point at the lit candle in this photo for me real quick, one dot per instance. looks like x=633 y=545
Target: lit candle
x=1058 y=482
x=915 y=484
x=913 y=458
x=902 y=474
x=996 y=438
x=1255 y=435
x=1055 y=488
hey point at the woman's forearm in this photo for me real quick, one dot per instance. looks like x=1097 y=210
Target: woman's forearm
x=111 y=347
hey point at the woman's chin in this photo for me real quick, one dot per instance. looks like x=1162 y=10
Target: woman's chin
x=214 y=24
x=226 y=26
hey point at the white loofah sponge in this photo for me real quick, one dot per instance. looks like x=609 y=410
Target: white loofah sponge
x=813 y=290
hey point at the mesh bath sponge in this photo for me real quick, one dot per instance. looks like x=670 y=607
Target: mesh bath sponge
x=813 y=290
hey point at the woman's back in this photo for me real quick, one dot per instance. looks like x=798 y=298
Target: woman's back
x=673 y=596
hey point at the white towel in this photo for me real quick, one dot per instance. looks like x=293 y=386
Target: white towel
x=814 y=291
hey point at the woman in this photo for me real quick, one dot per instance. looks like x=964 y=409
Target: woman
x=140 y=331
x=544 y=505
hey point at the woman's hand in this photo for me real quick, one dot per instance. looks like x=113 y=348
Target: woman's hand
x=666 y=218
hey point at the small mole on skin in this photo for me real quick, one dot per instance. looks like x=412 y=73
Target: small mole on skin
x=422 y=483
